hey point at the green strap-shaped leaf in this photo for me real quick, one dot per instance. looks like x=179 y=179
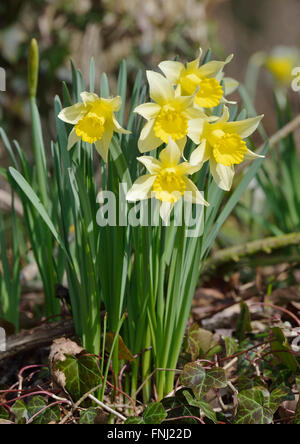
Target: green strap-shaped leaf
x=29 y=192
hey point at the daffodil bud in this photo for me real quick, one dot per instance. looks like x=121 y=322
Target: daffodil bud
x=33 y=68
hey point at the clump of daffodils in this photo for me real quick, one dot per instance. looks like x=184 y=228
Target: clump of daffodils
x=184 y=98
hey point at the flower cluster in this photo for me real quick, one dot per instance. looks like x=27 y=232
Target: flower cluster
x=182 y=105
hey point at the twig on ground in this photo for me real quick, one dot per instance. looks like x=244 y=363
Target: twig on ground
x=106 y=407
x=230 y=364
x=276 y=307
x=234 y=254
x=78 y=403
x=283 y=132
x=37 y=337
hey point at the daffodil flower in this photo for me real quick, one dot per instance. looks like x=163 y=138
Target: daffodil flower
x=94 y=121
x=168 y=181
x=203 y=80
x=223 y=145
x=281 y=62
x=169 y=116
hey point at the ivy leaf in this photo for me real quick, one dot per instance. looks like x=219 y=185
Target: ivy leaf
x=246 y=383
x=278 y=395
x=3 y=413
x=200 y=381
x=215 y=378
x=36 y=404
x=19 y=409
x=231 y=346
x=281 y=349
x=51 y=414
x=123 y=350
x=155 y=413
x=193 y=376
x=177 y=407
x=204 y=407
x=251 y=409
x=134 y=420
x=200 y=340
x=243 y=323
x=81 y=373
x=243 y=361
x=88 y=416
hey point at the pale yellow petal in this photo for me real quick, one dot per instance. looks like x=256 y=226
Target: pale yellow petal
x=165 y=211
x=170 y=155
x=172 y=70
x=193 y=195
x=194 y=112
x=153 y=165
x=102 y=146
x=148 y=110
x=224 y=101
x=250 y=155
x=243 y=127
x=230 y=85
x=72 y=114
x=201 y=154
x=185 y=102
x=181 y=143
x=72 y=139
x=194 y=64
x=223 y=175
x=88 y=97
x=225 y=116
x=161 y=90
x=213 y=68
x=114 y=102
x=118 y=128
x=148 y=140
x=141 y=189
x=195 y=129
x=178 y=91
x=185 y=168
